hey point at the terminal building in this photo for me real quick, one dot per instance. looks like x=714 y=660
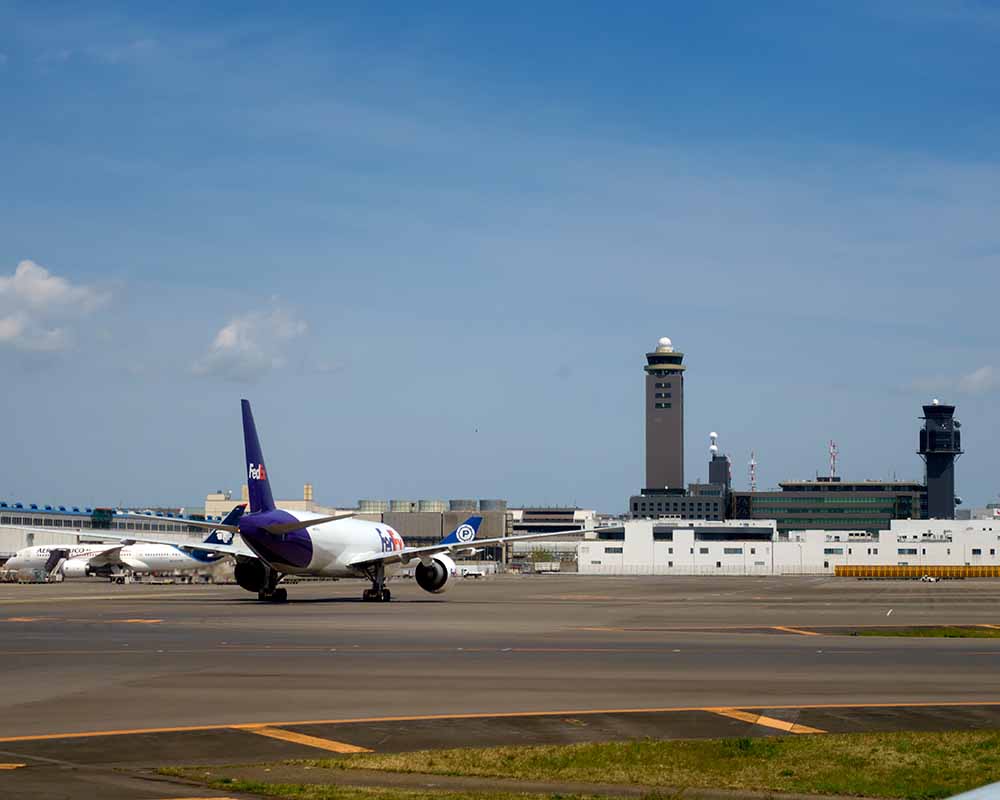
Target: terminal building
x=828 y=503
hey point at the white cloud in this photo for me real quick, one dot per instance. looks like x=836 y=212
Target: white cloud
x=250 y=346
x=978 y=381
x=36 y=306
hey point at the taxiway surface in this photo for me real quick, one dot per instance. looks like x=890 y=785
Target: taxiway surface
x=83 y=656
x=104 y=683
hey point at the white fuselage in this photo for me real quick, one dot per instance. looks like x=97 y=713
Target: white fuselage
x=136 y=557
x=36 y=557
x=335 y=544
x=161 y=558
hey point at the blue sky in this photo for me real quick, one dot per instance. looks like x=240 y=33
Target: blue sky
x=432 y=245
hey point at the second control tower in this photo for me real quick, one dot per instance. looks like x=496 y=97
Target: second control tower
x=940 y=445
x=664 y=418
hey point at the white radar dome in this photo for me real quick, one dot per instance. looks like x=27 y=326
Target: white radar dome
x=665 y=342
x=713 y=435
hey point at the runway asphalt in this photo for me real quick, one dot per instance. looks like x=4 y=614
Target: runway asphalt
x=652 y=656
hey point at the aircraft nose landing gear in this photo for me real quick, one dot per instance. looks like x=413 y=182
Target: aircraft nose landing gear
x=377 y=595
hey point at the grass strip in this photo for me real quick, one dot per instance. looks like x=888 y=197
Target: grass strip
x=902 y=765
x=945 y=632
x=301 y=791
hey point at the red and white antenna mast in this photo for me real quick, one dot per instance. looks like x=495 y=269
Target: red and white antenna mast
x=833 y=458
x=753 y=471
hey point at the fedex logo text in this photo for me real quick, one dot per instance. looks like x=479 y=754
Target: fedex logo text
x=257 y=472
x=391 y=541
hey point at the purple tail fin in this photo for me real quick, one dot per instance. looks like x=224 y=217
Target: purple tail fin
x=257 y=482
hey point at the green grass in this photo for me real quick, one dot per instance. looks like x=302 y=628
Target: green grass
x=305 y=791
x=906 y=765
x=944 y=632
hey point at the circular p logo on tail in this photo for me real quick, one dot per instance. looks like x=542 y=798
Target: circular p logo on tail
x=465 y=533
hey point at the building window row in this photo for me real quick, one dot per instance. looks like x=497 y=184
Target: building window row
x=664 y=405
x=818 y=501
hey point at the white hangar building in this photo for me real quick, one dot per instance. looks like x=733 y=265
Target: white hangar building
x=753 y=547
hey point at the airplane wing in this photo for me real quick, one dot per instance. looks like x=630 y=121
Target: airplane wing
x=408 y=554
x=108 y=558
x=237 y=548
x=194 y=523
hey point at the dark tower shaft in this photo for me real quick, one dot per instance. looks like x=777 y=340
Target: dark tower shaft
x=664 y=418
x=940 y=445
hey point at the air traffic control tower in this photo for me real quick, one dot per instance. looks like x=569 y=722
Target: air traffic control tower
x=664 y=419
x=940 y=445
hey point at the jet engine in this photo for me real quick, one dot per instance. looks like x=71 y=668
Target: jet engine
x=434 y=577
x=251 y=575
x=75 y=568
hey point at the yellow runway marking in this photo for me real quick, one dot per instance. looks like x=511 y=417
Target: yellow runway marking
x=139 y=621
x=27 y=619
x=760 y=719
x=794 y=630
x=12 y=766
x=308 y=741
x=484 y=715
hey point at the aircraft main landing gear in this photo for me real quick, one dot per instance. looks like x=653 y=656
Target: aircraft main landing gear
x=378 y=593
x=270 y=592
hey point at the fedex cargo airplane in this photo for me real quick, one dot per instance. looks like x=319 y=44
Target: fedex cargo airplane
x=83 y=560
x=274 y=542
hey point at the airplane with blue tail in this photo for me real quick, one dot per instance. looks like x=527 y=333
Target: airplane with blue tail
x=130 y=554
x=275 y=542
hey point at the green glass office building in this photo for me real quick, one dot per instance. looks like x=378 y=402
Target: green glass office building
x=832 y=504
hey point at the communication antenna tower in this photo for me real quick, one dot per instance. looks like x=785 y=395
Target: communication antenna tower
x=753 y=471
x=833 y=458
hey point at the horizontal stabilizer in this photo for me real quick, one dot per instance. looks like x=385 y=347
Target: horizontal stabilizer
x=288 y=527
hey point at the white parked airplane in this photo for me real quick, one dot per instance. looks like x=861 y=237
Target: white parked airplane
x=274 y=542
x=80 y=561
